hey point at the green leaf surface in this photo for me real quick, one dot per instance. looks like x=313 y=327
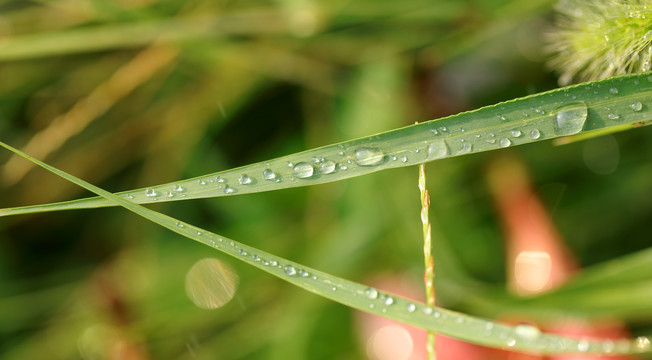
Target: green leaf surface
x=523 y=337
x=616 y=103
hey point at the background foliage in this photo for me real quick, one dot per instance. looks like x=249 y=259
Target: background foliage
x=129 y=94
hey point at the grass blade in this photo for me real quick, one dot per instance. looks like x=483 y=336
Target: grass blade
x=616 y=103
x=476 y=330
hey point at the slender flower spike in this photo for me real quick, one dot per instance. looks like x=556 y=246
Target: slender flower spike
x=596 y=39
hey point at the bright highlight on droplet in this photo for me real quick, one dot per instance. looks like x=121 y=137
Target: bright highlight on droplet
x=391 y=342
x=211 y=283
x=532 y=271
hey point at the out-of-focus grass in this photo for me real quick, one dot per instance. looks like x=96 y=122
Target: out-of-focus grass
x=304 y=74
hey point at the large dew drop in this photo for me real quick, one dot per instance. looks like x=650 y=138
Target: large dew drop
x=327 y=167
x=303 y=170
x=570 y=119
x=211 y=283
x=527 y=331
x=269 y=174
x=369 y=156
x=246 y=179
x=371 y=293
x=437 y=150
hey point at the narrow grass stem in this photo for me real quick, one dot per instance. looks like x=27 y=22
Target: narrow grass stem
x=429 y=274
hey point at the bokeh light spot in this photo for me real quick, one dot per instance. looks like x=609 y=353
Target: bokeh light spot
x=211 y=283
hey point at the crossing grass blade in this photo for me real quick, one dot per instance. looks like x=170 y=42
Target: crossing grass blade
x=613 y=104
x=480 y=331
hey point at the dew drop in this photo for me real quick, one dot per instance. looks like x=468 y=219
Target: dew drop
x=504 y=142
x=269 y=174
x=178 y=188
x=443 y=128
x=290 y=270
x=180 y=225
x=427 y=310
x=150 y=192
x=273 y=262
x=516 y=133
x=327 y=167
x=570 y=119
x=201 y=182
x=169 y=194
x=613 y=90
x=303 y=170
x=246 y=179
x=229 y=190
x=437 y=150
x=404 y=159
x=369 y=156
x=613 y=116
x=388 y=300
x=411 y=307
x=527 y=331
x=583 y=346
x=436 y=314
x=129 y=196
x=511 y=342
x=220 y=180
x=636 y=106
x=466 y=148
x=502 y=117
x=434 y=131
x=371 y=293
x=535 y=134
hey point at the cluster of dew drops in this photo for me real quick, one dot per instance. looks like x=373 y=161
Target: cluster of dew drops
x=567 y=120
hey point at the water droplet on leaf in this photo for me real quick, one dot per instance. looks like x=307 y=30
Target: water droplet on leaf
x=246 y=179
x=369 y=156
x=290 y=270
x=437 y=150
x=527 y=331
x=371 y=293
x=269 y=174
x=303 y=170
x=570 y=119
x=327 y=167
x=535 y=134
x=636 y=106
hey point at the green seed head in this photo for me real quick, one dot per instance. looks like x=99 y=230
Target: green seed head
x=601 y=38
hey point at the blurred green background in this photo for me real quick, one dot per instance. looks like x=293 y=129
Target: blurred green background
x=126 y=94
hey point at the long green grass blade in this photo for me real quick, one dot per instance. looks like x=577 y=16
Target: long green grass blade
x=620 y=103
x=126 y=35
x=523 y=338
